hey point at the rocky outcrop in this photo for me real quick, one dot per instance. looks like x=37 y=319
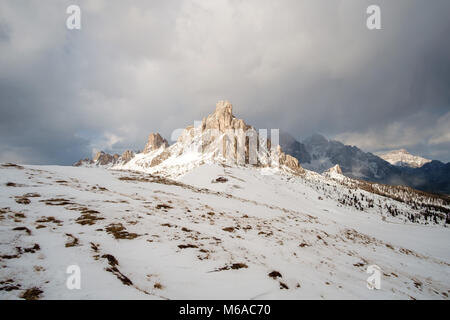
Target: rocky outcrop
x=334 y=172
x=223 y=119
x=103 y=159
x=233 y=139
x=289 y=161
x=127 y=156
x=155 y=141
x=336 y=169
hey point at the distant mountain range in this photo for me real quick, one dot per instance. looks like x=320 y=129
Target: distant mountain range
x=318 y=154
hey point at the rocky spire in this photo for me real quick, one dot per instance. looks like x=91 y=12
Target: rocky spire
x=289 y=161
x=223 y=119
x=155 y=141
x=221 y=138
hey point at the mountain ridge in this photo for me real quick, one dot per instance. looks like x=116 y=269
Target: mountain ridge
x=218 y=138
x=318 y=154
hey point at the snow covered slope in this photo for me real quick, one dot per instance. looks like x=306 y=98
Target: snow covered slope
x=216 y=231
x=403 y=158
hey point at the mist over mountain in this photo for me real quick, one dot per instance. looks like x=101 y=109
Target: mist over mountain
x=318 y=154
x=433 y=177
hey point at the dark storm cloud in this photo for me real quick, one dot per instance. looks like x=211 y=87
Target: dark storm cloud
x=143 y=66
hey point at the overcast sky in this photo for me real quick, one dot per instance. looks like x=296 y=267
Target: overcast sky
x=137 y=67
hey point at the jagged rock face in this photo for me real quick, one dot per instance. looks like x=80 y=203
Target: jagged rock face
x=290 y=162
x=102 y=158
x=127 y=156
x=234 y=140
x=223 y=119
x=155 y=141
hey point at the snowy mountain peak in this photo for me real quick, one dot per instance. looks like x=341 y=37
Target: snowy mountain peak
x=403 y=158
x=220 y=138
x=336 y=169
x=334 y=173
x=103 y=158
